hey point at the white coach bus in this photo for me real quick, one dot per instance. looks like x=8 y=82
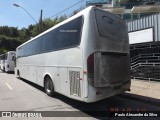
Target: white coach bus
x=9 y=61
x=85 y=57
x=2 y=57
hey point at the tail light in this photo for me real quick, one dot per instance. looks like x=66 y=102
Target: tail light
x=90 y=64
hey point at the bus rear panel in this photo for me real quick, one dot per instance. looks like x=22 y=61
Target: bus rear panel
x=108 y=64
x=10 y=61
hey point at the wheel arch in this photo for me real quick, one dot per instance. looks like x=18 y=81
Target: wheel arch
x=44 y=78
x=48 y=86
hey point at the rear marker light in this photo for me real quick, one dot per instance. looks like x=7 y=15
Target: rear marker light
x=98 y=92
x=90 y=64
x=85 y=72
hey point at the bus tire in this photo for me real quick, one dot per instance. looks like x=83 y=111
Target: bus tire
x=48 y=86
x=18 y=74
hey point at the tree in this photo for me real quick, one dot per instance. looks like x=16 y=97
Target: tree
x=24 y=34
x=11 y=37
x=75 y=12
x=9 y=31
x=62 y=18
x=8 y=43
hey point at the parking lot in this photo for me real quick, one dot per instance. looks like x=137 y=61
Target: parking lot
x=21 y=95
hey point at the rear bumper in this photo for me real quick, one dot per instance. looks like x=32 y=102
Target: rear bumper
x=106 y=92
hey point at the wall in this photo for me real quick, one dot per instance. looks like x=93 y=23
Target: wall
x=146 y=22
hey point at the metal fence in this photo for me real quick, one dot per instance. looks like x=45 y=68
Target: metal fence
x=145 y=61
x=145 y=57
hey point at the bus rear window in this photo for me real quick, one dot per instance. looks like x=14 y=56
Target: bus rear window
x=110 y=26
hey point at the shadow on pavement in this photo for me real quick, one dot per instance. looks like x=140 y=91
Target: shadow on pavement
x=85 y=109
x=10 y=72
x=98 y=110
x=144 y=99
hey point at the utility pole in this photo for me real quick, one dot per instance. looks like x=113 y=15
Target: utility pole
x=40 y=22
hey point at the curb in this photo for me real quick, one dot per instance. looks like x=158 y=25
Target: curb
x=144 y=99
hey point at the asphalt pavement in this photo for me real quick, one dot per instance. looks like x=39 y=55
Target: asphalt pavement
x=21 y=95
x=144 y=90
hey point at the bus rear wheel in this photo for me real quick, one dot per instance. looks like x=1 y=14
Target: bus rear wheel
x=49 y=88
x=18 y=74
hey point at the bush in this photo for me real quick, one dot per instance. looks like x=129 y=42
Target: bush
x=8 y=43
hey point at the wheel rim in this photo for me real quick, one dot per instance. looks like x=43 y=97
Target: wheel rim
x=48 y=85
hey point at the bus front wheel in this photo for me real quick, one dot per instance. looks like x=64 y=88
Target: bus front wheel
x=49 y=88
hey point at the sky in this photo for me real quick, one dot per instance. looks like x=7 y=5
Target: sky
x=16 y=17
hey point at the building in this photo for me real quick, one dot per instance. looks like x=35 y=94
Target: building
x=144 y=36
x=128 y=9
x=143 y=21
